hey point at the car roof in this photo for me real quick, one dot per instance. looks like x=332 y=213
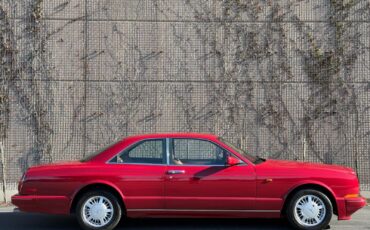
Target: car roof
x=172 y=135
x=107 y=154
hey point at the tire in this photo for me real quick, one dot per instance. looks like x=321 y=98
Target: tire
x=98 y=210
x=304 y=212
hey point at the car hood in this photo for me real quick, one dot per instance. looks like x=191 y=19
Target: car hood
x=304 y=165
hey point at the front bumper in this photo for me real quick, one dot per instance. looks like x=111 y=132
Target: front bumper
x=354 y=204
x=42 y=204
x=348 y=206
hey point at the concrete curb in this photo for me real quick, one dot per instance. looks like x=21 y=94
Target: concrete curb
x=7 y=209
x=366 y=194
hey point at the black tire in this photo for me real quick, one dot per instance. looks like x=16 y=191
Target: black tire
x=293 y=216
x=117 y=211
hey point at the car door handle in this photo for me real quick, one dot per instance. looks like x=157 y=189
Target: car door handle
x=171 y=172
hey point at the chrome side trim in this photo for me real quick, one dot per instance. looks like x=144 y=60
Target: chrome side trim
x=197 y=210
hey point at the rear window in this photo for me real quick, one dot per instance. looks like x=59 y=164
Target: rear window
x=145 y=152
x=90 y=156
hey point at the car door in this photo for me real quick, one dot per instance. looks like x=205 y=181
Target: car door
x=197 y=178
x=140 y=171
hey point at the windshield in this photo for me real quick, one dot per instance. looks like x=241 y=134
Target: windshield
x=239 y=150
x=90 y=156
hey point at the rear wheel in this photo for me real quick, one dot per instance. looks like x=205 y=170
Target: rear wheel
x=309 y=210
x=98 y=210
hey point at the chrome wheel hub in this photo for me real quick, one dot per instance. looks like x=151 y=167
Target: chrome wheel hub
x=309 y=210
x=97 y=211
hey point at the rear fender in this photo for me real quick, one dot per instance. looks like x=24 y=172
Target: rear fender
x=97 y=182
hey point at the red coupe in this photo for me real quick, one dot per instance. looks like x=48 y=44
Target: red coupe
x=188 y=175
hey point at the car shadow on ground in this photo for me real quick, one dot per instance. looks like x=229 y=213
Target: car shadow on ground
x=22 y=221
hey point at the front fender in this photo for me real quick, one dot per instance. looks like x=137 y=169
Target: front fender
x=304 y=183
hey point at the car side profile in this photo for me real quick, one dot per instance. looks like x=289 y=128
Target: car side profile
x=188 y=175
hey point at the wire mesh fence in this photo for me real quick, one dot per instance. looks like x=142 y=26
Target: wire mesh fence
x=282 y=79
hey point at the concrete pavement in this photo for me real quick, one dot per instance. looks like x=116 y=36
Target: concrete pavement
x=15 y=220
x=10 y=220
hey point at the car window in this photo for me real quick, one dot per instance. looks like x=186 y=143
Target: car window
x=239 y=150
x=196 y=152
x=97 y=152
x=146 y=152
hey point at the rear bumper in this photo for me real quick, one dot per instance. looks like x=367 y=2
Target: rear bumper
x=42 y=204
x=348 y=206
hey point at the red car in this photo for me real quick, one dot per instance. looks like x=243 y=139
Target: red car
x=188 y=175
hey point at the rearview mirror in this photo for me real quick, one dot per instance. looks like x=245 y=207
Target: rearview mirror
x=231 y=161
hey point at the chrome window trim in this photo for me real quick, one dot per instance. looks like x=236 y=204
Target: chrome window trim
x=224 y=165
x=132 y=145
x=123 y=163
x=167 y=151
x=167 y=142
x=202 y=139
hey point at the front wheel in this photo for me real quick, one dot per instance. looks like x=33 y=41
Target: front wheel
x=98 y=210
x=309 y=210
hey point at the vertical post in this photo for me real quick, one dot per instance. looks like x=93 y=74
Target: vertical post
x=304 y=148
x=3 y=168
x=4 y=105
x=85 y=72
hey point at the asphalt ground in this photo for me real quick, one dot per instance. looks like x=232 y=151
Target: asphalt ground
x=10 y=220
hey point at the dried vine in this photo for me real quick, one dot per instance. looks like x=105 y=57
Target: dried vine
x=30 y=89
x=230 y=105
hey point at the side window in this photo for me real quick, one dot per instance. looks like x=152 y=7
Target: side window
x=196 y=152
x=146 y=152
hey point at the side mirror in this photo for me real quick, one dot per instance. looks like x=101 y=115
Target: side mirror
x=231 y=161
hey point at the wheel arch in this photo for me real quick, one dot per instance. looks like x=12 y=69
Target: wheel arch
x=311 y=185
x=94 y=186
